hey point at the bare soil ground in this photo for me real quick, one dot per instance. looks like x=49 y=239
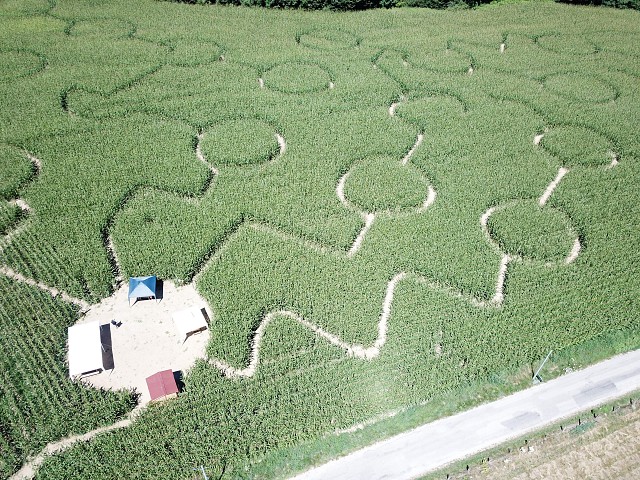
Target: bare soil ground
x=147 y=340
x=602 y=448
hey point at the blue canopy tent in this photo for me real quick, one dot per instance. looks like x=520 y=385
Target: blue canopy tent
x=142 y=287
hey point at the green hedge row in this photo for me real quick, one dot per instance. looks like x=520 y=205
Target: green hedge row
x=366 y=4
x=344 y=4
x=635 y=4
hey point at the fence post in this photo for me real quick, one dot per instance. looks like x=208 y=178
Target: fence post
x=536 y=378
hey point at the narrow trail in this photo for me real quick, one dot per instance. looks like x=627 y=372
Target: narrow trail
x=413 y=149
x=369 y=217
x=20 y=203
x=282 y=144
x=54 y=292
x=200 y=156
x=552 y=186
x=368 y=223
x=354 y=350
x=111 y=251
x=16 y=232
x=30 y=468
x=351 y=349
x=357 y=350
x=110 y=246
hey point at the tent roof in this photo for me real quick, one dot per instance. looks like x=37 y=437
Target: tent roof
x=189 y=321
x=85 y=348
x=142 y=286
x=162 y=384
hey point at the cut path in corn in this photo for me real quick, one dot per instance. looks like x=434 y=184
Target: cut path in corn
x=29 y=469
x=369 y=352
x=437 y=444
x=350 y=349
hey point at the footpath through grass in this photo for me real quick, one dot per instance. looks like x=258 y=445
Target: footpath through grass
x=442 y=197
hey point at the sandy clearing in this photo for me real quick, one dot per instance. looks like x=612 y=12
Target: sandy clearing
x=147 y=341
x=147 y=331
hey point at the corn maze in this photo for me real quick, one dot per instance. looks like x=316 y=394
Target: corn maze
x=378 y=208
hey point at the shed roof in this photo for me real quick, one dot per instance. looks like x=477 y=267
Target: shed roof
x=161 y=384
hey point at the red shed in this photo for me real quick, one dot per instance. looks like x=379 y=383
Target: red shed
x=162 y=385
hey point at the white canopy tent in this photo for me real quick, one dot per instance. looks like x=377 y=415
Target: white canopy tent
x=85 y=349
x=189 y=321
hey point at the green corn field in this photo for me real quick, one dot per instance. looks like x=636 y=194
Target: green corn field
x=382 y=209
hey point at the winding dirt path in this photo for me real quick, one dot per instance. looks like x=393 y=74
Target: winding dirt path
x=10 y=236
x=351 y=349
x=413 y=149
x=357 y=243
x=355 y=349
x=30 y=468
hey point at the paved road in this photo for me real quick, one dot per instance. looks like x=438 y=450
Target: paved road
x=431 y=446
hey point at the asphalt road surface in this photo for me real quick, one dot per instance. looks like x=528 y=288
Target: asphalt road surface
x=434 y=445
